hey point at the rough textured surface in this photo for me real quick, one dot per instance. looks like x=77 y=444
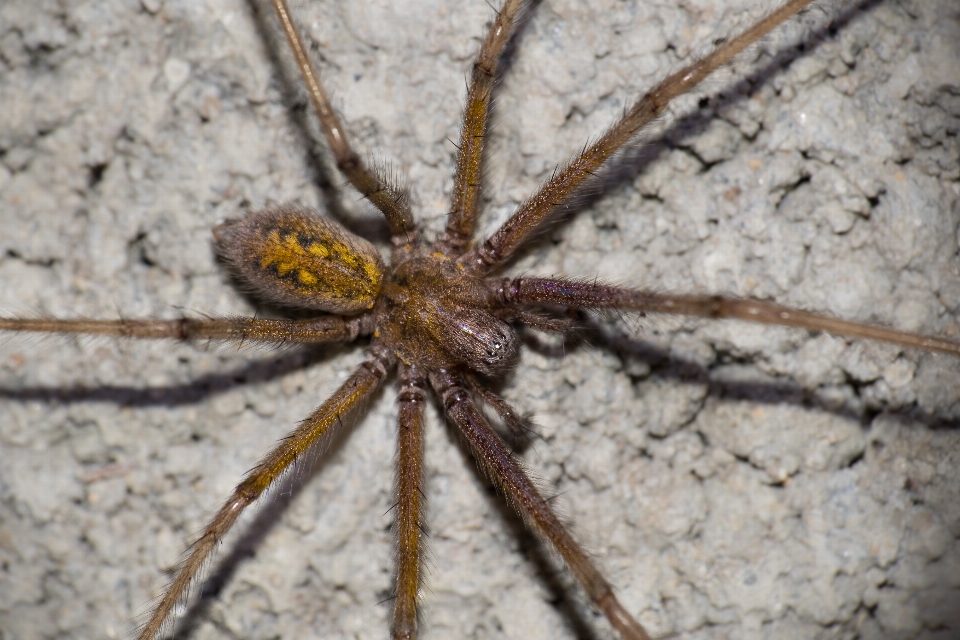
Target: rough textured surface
x=734 y=481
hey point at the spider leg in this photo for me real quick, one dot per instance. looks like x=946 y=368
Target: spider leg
x=476 y=114
x=410 y=503
x=592 y=295
x=313 y=331
x=518 y=425
x=389 y=199
x=498 y=248
x=364 y=381
x=497 y=461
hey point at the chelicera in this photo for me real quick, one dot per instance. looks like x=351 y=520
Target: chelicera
x=437 y=314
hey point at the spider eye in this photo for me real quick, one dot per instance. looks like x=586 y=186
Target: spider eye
x=480 y=340
x=294 y=257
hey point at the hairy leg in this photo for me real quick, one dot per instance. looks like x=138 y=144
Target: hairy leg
x=408 y=526
x=365 y=380
x=314 y=331
x=497 y=461
x=498 y=248
x=591 y=295
x=468 y=180
x=388 y=198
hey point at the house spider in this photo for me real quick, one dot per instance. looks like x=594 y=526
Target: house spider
x=122 y=453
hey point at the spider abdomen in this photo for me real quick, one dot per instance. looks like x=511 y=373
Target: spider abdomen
x=432 y=315
x=295 y=257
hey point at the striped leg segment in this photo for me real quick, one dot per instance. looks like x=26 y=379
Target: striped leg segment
x=410 y=503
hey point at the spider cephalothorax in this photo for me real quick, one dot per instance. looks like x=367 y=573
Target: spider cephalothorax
x=449 y=316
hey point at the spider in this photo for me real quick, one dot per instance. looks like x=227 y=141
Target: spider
x=112 y=481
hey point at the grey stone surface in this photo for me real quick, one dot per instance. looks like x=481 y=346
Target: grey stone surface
x=734 y=481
